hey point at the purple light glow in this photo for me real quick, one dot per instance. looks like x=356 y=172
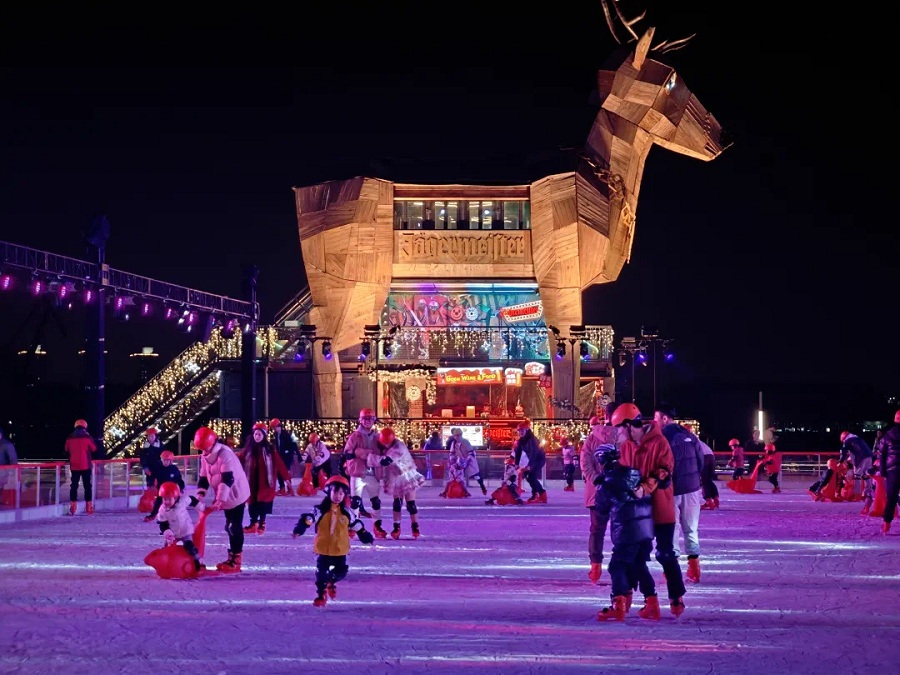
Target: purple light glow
x=6 y=282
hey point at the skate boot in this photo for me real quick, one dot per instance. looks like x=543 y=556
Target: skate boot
x=320 y=600
x=233 y=564
x=262 y=527
x=650 y=610
x=395 y=533
x=380 y=532
x=885 y=527
x=415 y=530
x=149 y=519
x=677 y=607
x=615 y=612
x=595 y=572
x=331 y=589
x=89 y=507
x=252 y=528
x=693 y=570
x=73 y=507
x=865 y=510
x=776 y=491
x=289 y=491
x=542 y=498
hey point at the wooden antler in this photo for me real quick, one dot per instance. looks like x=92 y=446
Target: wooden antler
x=615 y=16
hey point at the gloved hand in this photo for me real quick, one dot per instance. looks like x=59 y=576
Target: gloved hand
x=170 y=537
x=365 y=536
x=217 y=506
x=302 y=524
x=200 y=506
x=386 y=461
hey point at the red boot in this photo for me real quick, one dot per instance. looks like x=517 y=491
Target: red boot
x=693 y=570
x=650 y=610
x=615 y=612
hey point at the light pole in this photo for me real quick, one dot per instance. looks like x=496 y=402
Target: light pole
x=372 y=333
x=576 y=334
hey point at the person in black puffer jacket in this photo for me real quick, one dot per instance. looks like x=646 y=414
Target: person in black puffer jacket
x=890 y=469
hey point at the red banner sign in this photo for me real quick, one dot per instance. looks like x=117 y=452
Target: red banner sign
x=463 y=376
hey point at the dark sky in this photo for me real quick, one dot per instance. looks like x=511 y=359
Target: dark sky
x=772 y=266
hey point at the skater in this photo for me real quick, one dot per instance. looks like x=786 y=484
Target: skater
x=890 y=469
x=567 y=449
x=167 y=473
x=221 y=472
x=737 y=458
x=80 y=448
x=631 y=532
x=467 y=458
x=857 y=454
x=333 y=520
x=531 y=460
x=643 y=447
x=150 y=456
x=455 y=475
x=174 y=520
x=600 y=437
x=320 y=456
x=771 y=464
x=360 y=444
x=263 y=466
x=401 y=479
x=287 y=449
x=507 y=493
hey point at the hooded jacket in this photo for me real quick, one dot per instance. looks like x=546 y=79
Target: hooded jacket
x=650 y=458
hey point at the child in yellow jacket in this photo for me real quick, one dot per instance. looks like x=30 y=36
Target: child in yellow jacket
x=333 y=520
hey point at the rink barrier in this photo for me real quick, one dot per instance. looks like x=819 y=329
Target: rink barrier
x=35 y=490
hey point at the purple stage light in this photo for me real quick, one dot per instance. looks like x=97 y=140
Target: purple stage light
x=62 y=290
x=37 y=286
x=170 y=313
x=6 y=282
x=146 y=308
x=88 y=296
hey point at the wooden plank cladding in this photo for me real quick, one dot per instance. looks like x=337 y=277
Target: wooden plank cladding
x=404 y=191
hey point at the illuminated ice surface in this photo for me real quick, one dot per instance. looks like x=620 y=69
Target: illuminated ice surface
x=788 y=586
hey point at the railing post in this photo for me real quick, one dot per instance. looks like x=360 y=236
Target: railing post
x=37 y=488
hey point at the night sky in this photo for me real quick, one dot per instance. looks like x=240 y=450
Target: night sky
x=771 y=267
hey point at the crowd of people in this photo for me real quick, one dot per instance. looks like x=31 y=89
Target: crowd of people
x=646 y=481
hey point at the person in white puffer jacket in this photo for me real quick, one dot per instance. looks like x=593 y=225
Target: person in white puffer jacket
x=221 y=471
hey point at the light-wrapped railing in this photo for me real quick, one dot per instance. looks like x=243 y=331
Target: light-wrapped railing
x=174 y=383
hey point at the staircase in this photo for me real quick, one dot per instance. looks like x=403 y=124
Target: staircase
x=173 y=398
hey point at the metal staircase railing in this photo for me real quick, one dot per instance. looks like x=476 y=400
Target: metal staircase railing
x=170 y=400
x=295 y=308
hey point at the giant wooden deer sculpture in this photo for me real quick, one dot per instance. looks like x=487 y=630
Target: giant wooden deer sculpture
x=582 y=221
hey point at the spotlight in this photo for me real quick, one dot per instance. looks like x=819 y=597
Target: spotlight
x=146 y=308
x=560 y=350
x=670 y=356
x=62 y=290
x=6 y=281
x=326 y=350
x=642 y=358
x=302 y=347
x=365 y=350
x=621 y=359
x=120 y=308
x=583 y=350
x=386 y=350
x=88 y=295
x=171 y=313
x=37 y=286
x=229 y=328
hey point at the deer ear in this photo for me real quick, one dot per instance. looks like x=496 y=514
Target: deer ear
x=643 y=46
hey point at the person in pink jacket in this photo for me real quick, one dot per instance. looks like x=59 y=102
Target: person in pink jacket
x=221 y=472
x=359 y=446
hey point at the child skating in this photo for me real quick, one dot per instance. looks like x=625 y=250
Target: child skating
x=400 y=480
x=333 y=520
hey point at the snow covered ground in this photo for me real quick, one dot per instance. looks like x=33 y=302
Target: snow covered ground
x=788 y=586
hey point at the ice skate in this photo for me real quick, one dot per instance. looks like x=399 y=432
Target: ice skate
x=252 y=528
x=395 y=533
x=677 y=607
x=233 y=564
x=650 y=610
x=693 y=570
x=615 y=612
x=320 y=600
x=261 y=528
x=380 y=532
x=415 y=530
x=331 y=589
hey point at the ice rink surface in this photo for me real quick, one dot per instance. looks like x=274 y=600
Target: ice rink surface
x=787 y=586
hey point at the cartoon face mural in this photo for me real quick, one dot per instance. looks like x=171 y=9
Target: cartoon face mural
x=453 y=309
